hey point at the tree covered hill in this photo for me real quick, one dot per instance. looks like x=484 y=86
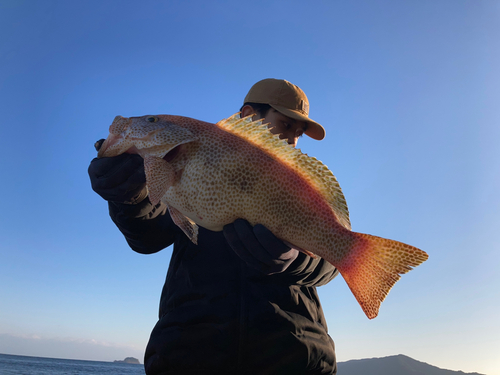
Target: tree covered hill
x=393 y=365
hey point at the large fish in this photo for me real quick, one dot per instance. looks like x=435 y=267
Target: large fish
x=212 y=174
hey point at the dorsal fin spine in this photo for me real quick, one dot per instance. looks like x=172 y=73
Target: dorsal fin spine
x=308 y=167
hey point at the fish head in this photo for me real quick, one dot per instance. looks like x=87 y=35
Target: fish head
x=146 y=135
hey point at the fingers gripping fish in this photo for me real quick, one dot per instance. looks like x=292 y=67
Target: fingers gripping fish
x=212 y=174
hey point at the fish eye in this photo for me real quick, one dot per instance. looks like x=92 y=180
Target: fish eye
x=152 y=119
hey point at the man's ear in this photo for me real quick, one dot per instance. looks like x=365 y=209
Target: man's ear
x=247 y=110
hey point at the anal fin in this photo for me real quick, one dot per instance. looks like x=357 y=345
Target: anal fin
x=307 y=252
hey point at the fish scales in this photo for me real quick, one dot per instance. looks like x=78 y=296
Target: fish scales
x=212 y=174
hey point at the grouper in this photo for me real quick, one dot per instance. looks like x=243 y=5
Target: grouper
x=209 y=175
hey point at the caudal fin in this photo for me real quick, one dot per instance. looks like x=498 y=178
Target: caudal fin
x=374 y=265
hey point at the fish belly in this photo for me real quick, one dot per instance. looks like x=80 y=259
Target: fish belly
x=258 y=189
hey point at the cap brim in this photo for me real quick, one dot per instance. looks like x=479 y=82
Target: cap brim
x=314 y=130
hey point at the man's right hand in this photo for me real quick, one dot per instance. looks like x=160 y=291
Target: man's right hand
x=119 y=179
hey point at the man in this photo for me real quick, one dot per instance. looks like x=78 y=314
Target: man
x=241 y=301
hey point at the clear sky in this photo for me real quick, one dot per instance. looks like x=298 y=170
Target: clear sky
x=408 y=91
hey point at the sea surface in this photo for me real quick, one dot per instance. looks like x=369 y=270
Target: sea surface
x=16 y=364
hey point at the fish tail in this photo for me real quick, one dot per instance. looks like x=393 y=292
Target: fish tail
x=372 y=265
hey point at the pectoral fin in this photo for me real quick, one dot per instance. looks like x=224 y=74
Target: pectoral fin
x=160 y=176
x=188 y=226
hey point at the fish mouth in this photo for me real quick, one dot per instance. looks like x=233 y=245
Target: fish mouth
x=104 y=146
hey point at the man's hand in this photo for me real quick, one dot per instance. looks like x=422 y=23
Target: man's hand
x=258 y=247
x=119 y=179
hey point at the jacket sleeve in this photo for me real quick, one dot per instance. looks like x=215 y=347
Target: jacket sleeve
x=147 y=228
x=308 y=271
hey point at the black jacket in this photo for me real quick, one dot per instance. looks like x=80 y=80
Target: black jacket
x=219 y=316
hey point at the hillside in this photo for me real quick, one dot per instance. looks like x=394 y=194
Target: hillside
x=393 y=365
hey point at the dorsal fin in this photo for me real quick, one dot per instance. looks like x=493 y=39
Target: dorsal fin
x=308 y=167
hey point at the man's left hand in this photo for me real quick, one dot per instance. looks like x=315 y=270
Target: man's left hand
x=258 y=247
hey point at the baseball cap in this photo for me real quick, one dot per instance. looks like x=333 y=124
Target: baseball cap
x=286 y=98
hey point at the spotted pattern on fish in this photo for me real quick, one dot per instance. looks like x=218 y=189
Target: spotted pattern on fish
x=212 y=174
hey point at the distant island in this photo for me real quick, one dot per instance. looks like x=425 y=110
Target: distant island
x=131 y=360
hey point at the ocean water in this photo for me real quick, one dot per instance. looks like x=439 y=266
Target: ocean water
x=21 y=365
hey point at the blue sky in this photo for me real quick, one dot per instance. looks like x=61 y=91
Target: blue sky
x=407 y=90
